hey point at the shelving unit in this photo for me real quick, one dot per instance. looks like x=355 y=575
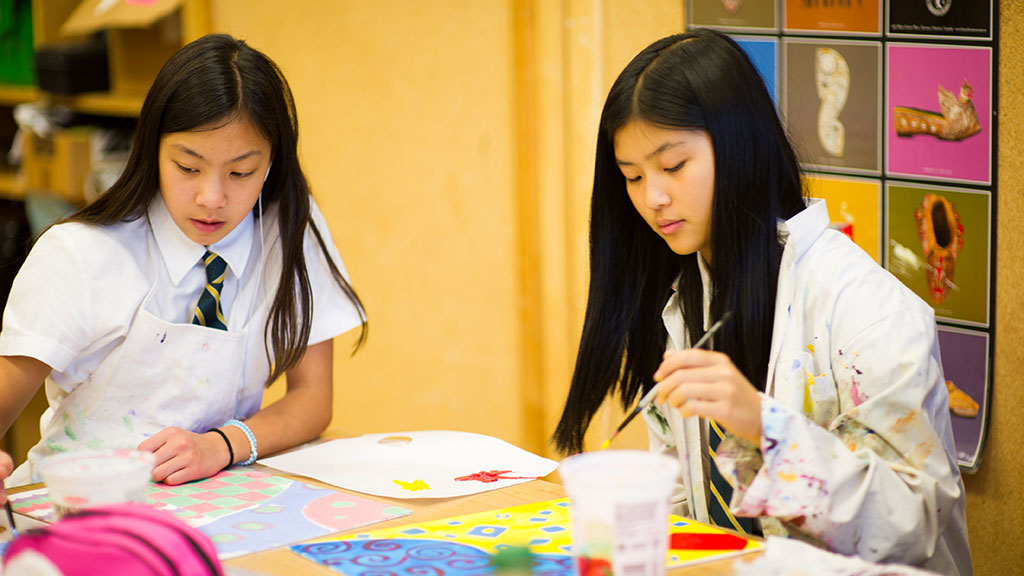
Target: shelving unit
x=136 y=55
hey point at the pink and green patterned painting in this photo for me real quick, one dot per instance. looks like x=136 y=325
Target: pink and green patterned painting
x=464 y=545
x=245 y=511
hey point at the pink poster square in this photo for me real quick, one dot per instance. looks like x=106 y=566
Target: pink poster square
x=915 y=74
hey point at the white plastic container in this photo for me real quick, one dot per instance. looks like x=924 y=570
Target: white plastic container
x=619 y=507
x=78 y=480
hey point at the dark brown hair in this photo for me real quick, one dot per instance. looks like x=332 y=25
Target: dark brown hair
x=210 y=82
x=700 y=80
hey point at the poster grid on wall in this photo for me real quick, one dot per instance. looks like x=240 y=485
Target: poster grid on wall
x=923 y=126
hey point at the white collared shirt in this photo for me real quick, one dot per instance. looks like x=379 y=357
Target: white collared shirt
x=80 y=287
x=180 y=255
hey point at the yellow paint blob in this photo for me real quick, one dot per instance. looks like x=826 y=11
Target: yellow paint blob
x=413 y=486
x=787 y=477
x=811 y=348
x=808 y=399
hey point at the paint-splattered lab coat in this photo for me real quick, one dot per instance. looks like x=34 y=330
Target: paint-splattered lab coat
x=857 y=449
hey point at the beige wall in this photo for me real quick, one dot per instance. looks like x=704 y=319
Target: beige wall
x=406 y=121
x=450 y=144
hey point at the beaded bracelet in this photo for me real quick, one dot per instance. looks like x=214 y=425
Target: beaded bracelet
x=231 y=452
x=248 y=434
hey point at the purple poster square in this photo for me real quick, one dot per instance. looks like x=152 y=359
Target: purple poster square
x=952 y=147
x=965 y=364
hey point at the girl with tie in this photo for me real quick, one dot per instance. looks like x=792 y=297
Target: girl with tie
x=158 y=314
x=820 y=410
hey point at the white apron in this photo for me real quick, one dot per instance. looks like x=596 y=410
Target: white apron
x=163 y=374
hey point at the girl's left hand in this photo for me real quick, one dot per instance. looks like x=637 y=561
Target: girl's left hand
x=707 y=384
x=182 y=456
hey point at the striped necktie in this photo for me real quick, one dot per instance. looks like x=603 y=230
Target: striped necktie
x=208 y=311
x=721 y=490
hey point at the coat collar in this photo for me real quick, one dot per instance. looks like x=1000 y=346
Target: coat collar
x=805 y=227
x=800 y=232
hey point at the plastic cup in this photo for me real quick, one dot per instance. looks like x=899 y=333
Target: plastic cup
x=619 y=506
x=79 y=480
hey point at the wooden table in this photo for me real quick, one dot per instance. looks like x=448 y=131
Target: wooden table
x=281 y=561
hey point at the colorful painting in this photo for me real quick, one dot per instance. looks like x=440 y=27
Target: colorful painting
x=421 y=464
x=861 y=17
x=938 y=244
x=941 y=19
x=764 y=53
x=965 y=355
x=465 y=544
x=938 y=112
x=832 y=103
x=756 y=16
x=854 y=208
x=245 y=511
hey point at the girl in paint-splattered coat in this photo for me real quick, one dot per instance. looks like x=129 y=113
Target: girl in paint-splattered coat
x=826 y=379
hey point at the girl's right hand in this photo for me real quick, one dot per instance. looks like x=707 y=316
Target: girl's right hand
x=708 y=384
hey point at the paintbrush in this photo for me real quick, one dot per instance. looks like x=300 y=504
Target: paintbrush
x=649 y=397
x=10 y=518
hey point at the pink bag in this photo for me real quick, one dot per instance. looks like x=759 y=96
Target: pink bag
x=123 y=539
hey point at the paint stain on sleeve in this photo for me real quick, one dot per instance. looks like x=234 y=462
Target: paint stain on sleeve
x=857 y=397
x=901 y=424
x=68 y=430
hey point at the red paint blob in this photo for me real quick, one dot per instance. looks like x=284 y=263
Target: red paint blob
x=489 y=476
x=685 y=541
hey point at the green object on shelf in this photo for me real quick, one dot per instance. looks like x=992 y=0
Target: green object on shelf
x=16 y=64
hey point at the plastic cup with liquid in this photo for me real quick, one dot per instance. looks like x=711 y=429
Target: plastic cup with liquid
x=84 y=479
x=619 y=508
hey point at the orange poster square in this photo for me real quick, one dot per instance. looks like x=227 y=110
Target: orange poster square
x=847 y=16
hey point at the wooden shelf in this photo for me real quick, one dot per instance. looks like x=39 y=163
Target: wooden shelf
x=99 y=103
x=11 y=95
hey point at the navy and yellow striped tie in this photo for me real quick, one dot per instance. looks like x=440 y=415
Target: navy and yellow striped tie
x=721 y=490
x=208 y=311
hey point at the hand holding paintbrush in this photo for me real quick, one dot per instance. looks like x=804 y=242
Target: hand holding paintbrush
x=649 y=397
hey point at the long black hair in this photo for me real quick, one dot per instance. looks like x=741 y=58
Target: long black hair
x=700 y=80
x=210 y=82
